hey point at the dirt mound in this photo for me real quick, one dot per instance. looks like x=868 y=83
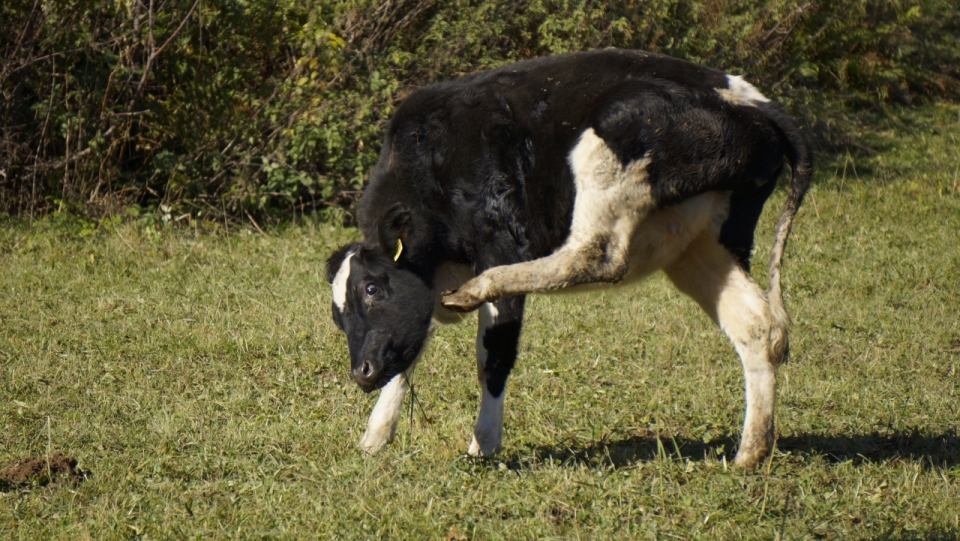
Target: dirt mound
x=41 y=471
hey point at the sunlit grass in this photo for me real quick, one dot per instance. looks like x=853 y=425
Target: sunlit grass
x=200 y=379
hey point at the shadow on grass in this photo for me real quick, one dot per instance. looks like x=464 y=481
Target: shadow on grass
x=942 y=450
x=921 y=536
x=620 y=452
x=847 y=139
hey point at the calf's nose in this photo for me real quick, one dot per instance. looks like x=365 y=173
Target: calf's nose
x=366 y=376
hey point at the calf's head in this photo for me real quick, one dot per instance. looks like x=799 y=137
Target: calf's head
x=382 y=304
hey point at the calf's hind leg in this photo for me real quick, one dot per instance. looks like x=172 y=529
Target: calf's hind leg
x=709 y=274
x=573 y=264
x=612 y=199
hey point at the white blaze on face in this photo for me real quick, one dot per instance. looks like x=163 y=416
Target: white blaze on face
x=340 y=283
x=740 y=92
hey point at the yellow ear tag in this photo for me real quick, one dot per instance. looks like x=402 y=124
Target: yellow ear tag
x=396 y=257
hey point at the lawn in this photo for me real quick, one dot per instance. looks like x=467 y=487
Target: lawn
x=196 y=375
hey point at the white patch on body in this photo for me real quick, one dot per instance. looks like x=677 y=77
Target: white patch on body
x=740 y=92
x=611 y=198
x=488 y=432
x=340 y=283
x=486 y=318
x=666 y=234
x=382 y=425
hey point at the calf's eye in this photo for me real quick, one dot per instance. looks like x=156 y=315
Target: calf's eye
x=372 y=289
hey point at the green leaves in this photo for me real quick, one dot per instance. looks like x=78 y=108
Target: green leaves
x=263 y=107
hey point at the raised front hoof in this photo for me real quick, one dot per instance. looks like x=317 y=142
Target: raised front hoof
x=460 y=301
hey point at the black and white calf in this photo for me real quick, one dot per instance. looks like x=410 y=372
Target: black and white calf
x=589 y=168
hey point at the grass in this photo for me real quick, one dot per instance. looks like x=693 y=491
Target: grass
x=199 y=379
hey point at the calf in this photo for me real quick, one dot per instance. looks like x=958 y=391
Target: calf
x=578 y=170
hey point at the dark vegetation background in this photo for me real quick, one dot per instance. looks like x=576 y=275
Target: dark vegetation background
x=203 y=109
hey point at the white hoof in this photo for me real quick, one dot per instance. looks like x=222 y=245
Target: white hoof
x=488 y=448
x=375 y=440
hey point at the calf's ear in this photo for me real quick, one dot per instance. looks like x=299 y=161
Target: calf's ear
x=336 y=260
x=395 y=228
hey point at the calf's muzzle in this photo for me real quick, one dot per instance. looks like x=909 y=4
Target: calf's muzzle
x=366 y=375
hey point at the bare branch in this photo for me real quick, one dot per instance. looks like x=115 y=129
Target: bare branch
x=23 y=33
x=154 y=53
x=179 y=28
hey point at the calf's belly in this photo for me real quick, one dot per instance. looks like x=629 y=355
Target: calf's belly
x=664 y=235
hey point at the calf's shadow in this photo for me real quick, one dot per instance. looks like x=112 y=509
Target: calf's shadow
x=931 y=450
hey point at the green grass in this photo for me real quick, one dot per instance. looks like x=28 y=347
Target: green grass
x=200 y=379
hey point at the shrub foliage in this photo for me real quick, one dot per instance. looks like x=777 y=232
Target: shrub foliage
x=253 y=106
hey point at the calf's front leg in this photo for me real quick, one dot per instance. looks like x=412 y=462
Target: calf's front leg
x=498 y=335
x=382 y=425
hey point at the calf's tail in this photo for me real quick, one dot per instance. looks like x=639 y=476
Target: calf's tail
x=801 y=160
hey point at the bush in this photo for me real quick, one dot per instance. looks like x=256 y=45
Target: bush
x=255 y=107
